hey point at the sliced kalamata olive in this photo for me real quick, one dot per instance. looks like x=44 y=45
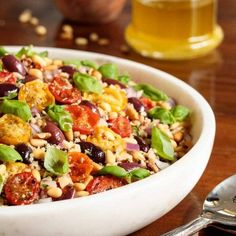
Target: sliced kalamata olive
x=143 y=146
x=90 y=105
x=68 y=192
x=113 y=81
x=171 y=102
x=138 y=105
x=25 y=151
x=6 y=89
x=68 y=69
x=94 y=152
x=12 y=64
x=129 y=166
x=57 y=136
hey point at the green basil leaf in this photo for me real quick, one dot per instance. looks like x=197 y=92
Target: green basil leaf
x=151 y=92
x=29 y=52
x=124 y=79
x=1 y=66
x=161 y=143
x=63 y=118
x=73 y=62
x=15 y=107
x=139 y=173
x=8 y=153
x=89 y=63
x=165 y=116
x=1 y=183
x=3 y=51
x=56 y=161
x=87 y=83
x=180 y=112
x=109 y=70
x=10 y=95
x=113 y=170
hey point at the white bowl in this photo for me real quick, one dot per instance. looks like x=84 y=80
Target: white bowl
x=123 y=210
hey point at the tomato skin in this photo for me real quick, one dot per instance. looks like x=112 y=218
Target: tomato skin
x=103 y=183
x=21 y=189
x=148 y=103
x=64 y=92
x=121 y=126
x=84 y=120
x=7 y=77
x=80 y=166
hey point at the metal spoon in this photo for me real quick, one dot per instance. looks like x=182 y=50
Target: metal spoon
x=219 y=207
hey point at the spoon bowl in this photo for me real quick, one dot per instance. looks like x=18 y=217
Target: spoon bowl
x=219 y=207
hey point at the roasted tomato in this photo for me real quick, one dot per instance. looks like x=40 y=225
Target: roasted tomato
x=121 y=126
x=84 y=120
x=80 y=166
x=103 y=183
x=36 y=94
x=63 y=91
x=13 y=130
x=148 y=103
x=21 y=189
x=7 y=77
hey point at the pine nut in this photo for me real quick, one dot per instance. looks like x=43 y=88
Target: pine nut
x=64 y=181
x=36 y=175
x=39 y=60
x=25 y=16
x=93 y=37
x=38 y=154
x=41 y=30
x=67 y=28
x=178 y=136
x=2 y=169
x=34 y=21
x=36 y=73
x=58 y=62
x=82 y=193
x=81 y=41
x=103 y=41
x=88 y=179
x=38 y=142
x=96 y=74
x=69 y=135
x=79 y=186
x=105 y=106
x=42 y=135
x=96 y=166
x=54 y=192
x=110 y=157
x=132 y=113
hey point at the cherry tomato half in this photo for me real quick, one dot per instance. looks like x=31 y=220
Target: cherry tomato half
x=84 y=120
x=121 y=126
x=7 y=77
x=63 y=91
x=80 y=166
x=103 y=183
x=21 y=189
x=148 y=103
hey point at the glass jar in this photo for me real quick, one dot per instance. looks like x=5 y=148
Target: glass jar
x=174 y=29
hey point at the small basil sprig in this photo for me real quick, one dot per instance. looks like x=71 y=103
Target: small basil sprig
x=87 y=83
x=29 y=52
x=58 y=114
x=161 y=143
x=1 y=183
x=56 y=161
x=165 y=116
x=109 y=70
x=139 y=173
x=15 y=107
x=3 y=51
x=8 y=153
x=124 y=79
x=151 y=92
x=89 y=63
x=73 y=62
x=180 y=112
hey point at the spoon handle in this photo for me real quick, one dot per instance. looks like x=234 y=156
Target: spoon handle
x=190 y=228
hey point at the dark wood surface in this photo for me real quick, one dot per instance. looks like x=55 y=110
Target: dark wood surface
x=214 y=76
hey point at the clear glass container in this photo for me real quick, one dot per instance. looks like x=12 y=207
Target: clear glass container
x=174 y=29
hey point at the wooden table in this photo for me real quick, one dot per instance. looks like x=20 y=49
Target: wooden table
x=214 y=76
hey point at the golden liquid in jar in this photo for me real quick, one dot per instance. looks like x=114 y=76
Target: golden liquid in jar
x=159 y=24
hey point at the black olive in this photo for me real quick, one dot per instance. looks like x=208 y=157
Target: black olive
x=94 y=152
x=143 y=146
x=25 y=151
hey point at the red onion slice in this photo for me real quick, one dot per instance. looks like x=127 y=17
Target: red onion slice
x=132 y=147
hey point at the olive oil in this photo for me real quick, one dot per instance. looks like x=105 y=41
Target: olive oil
x=173 y=29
